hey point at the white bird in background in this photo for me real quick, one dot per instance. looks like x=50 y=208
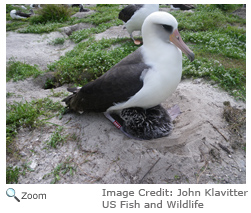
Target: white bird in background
x=16 y=14
x=134 y=15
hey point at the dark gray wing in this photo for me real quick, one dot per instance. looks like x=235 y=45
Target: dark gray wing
x=184 y=6
x=19 y=13
x=117 y=85
x=126 y=13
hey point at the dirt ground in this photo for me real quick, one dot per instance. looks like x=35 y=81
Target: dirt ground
x=199 y=150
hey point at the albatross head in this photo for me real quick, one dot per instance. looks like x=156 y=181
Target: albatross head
x=163 y=27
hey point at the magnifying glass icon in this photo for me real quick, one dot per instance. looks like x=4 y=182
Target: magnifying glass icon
x=11 y=193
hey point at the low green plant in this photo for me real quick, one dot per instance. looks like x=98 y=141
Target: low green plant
x=16 y=24
x=19 y=115
x=58 y=94
x=51 y=13
x=17 y=70
x=205 y=17
x=220 y=43
x=68 y=166
x=232 y=80
x=90 y=59
x=56 y=138
x=26 y=167
x=28 y=115
x=12 y=174
x=57 y=41
x=9 y=8
x=41 y=28
x=228 y=7
x=103 y=15
x=80 y=35
x=104 y=18
x=48 y=19
x=9 y=94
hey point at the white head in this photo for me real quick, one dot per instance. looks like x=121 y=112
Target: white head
x=161 y=27
x=13 y=14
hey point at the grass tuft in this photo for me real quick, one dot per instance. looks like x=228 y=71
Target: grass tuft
x=57 y=41
x=66 y=167
x=28 y=115
x=12 y=174
x=57 y=138
x=51 y=13
x=233 y=80
x=17 y=70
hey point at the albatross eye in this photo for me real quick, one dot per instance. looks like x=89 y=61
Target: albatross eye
x=168 y=28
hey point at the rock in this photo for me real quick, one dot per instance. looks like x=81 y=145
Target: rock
x=47 y=81
x=83 y=14
x=69 y=30
x=33 y=165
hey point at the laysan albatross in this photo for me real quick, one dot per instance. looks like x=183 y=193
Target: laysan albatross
x=16 y=14
x=140 y=81
x=134 y=15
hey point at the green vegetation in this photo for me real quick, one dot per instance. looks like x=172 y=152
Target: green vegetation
x=57 y=138
x=16 y=24
x=57 y=41
x=90 y=59
x=9 y=94
x=49 y=18
x=58 y=94
x=232 y=80
x=67 y=166
x=104 y=18
x=28 y=115
x=206 y=18
x=227 y=7
x=17 y=70
x=219 y=43
x=41 y=28
x=51 y=13
x=12 y=174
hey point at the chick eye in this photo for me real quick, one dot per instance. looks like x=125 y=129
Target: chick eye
x=167 y=28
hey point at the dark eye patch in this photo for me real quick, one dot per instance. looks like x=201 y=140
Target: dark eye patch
x=168 y=28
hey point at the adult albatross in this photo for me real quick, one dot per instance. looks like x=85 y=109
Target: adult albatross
x=139 y=82
x=134 y=15
x=16 y=14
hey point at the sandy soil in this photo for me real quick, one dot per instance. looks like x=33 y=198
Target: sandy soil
x=100 y=153
x=35 y=48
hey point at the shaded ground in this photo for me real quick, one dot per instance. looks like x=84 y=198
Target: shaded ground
x=241 y=12
x=199 y=150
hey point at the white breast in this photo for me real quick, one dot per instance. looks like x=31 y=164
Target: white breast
x=160 y=81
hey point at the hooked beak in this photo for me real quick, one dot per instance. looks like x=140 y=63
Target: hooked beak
x=176 y=39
